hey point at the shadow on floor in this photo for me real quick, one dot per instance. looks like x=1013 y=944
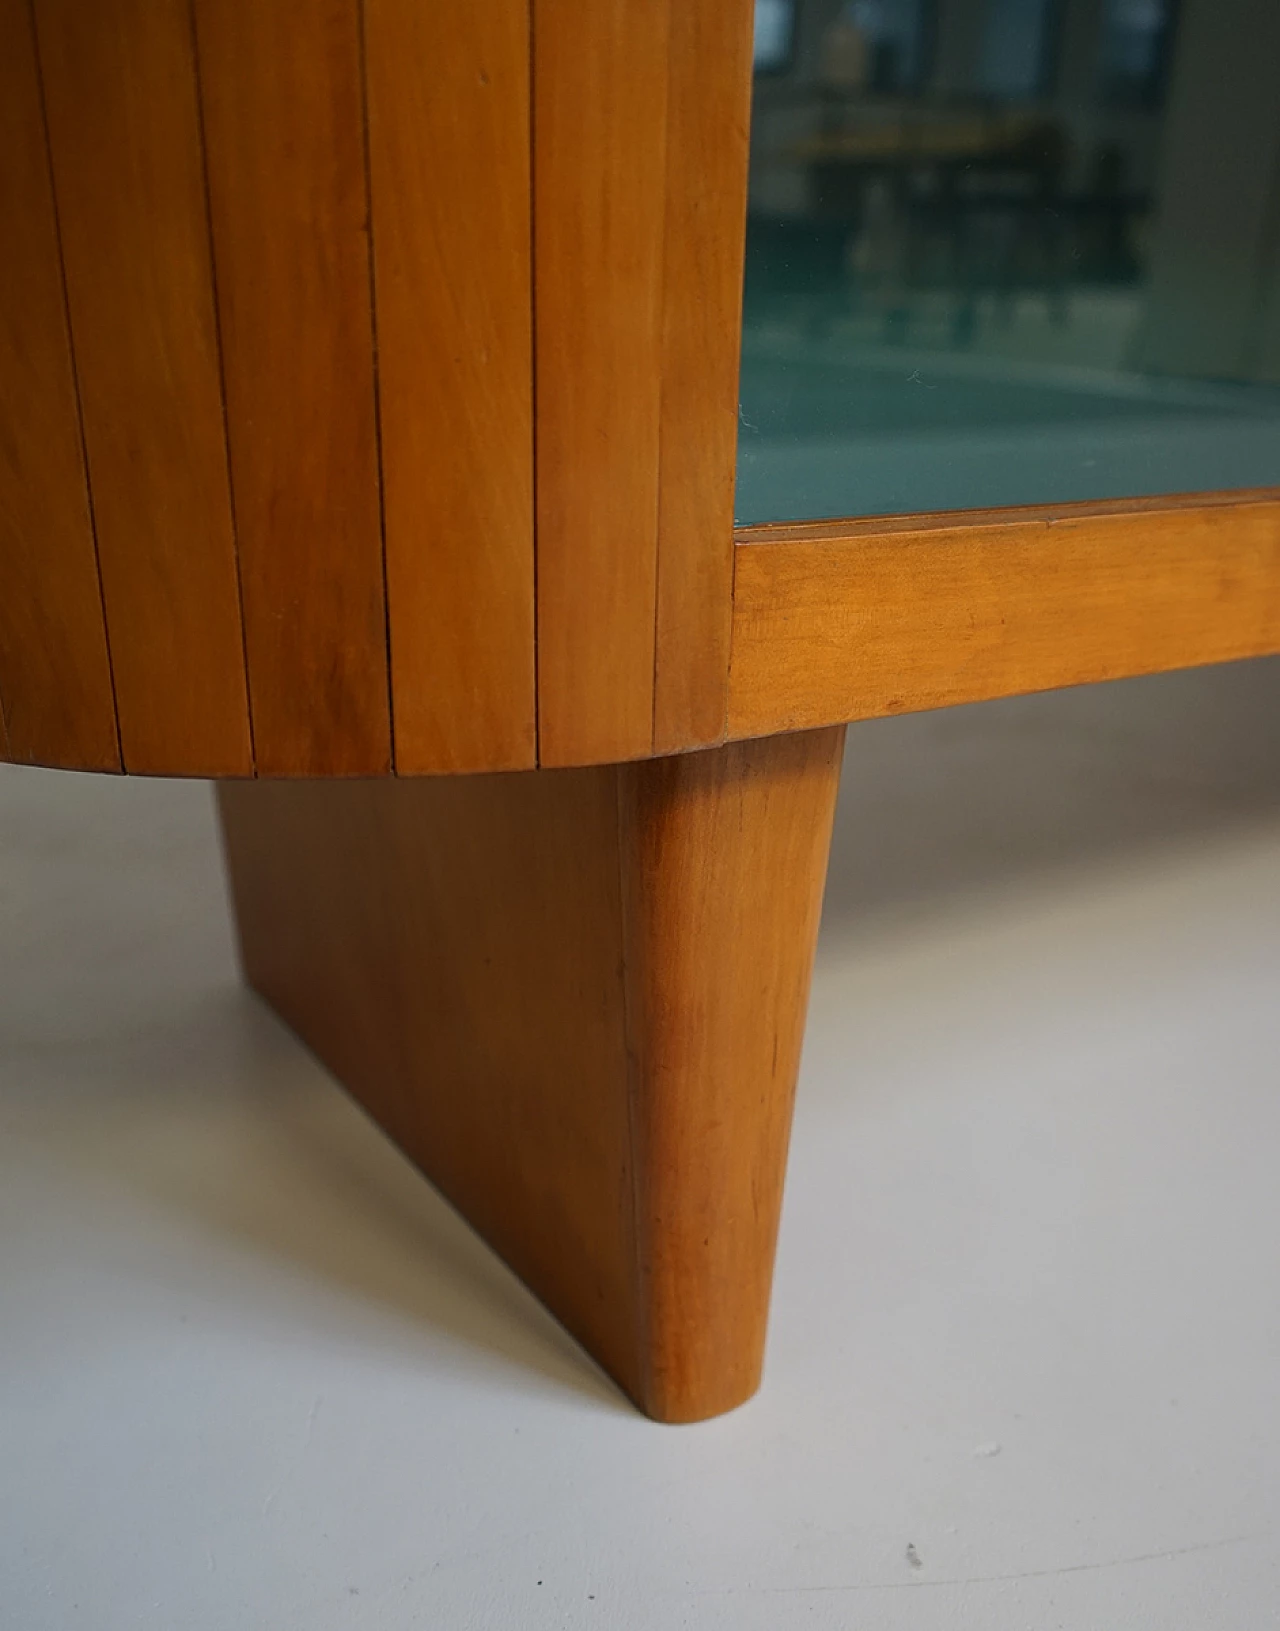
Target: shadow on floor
x=280 y=1201
x=189 y=1132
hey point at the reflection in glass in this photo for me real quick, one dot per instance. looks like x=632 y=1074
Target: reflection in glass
x=775 y=24
x=1009 y=251
x=1017 y=48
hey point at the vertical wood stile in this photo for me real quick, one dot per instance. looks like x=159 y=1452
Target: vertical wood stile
x=600 y=125
x=449 y=133
x=55 y=674
x=281 y=95
x=708 y=126
x=124 y=128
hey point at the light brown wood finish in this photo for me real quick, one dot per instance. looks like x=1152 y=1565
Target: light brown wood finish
x=451 y=195
x=576 y=999
x=128 y=177
x=284 y=130
x=600 y=110
x=855 y=620
x=724 y=859
x=708 y=122
x=55 y=674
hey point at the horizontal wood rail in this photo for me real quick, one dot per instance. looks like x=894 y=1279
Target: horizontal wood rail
x=846 y=620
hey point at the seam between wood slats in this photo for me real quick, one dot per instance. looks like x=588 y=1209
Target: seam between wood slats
x=664 y=274
x=533 y=375
x=660 y=338
x=222 y=378
x=662 y=387
x=662 y=396
x=377 y=379
x=75 y=378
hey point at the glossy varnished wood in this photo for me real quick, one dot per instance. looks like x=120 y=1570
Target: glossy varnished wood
x=576 y=999
x=854 y=620
x=451 y=194
x=124 y=128
x=450 y=949
x=600 y=108
x=55 y=675
x=708 y=120
x=724 y=857
x=283 y=114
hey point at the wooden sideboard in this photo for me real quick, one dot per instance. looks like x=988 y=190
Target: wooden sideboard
x=369 y=377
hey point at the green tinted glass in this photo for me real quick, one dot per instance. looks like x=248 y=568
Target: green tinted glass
x=1009 y=252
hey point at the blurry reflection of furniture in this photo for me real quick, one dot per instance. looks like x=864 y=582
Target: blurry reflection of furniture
x=970 y=201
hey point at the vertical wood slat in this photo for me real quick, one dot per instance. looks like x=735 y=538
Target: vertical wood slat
x=600 y=99
x=284 y=130
x=55 y=674
x=448 y=96
x=120 y=91
x=708 y=127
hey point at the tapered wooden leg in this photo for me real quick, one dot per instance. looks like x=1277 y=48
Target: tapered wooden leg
x=576 y=999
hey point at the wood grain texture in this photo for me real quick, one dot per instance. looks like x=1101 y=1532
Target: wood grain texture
x=449 y=947
x=55 y=674
x=284 y=131
x=855 y=620
x=449 y=134
x=128 y=176
x=724 y=861
x=708 y=122
x=600 y=111
x=575 y=998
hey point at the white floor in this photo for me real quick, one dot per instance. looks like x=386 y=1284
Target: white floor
x=1025 y=1362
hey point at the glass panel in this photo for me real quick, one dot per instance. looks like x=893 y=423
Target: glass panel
x=1009 y=252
